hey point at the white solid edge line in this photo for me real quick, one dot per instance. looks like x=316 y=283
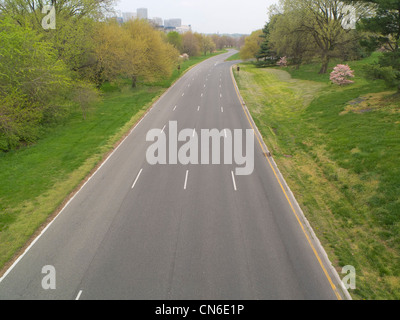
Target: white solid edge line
x=137 y=178
x=233 y=180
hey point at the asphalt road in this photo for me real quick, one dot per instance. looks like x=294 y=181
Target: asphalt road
x=141 y=231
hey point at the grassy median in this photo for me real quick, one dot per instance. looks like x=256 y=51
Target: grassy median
x=339 y=150
x=36 y=179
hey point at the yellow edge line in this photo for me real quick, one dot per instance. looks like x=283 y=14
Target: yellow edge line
x=287 y=198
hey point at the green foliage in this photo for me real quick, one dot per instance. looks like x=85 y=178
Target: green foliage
x=313 y=29
x=175 y=39
x=383 y=29
x=383 y=26
x=287 y=39
x=375 y=71
x=265 y=56
x=252 y=45
x=32 y=82
x=206 y=43
x=75 y=20
x=190 y=44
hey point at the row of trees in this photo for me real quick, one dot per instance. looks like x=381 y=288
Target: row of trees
x=305 y=30
x=195 y=44
x=44 y=71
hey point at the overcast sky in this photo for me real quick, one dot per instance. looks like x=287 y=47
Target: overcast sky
x=207 y=16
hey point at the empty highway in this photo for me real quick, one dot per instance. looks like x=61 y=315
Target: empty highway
x=140 y=231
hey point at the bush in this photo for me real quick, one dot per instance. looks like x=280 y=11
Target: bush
x=341 y=74
x=17 y=121
x=377 y=72
x=282 y=62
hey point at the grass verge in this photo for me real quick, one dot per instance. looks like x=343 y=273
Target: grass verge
x=234 y=57
x=338 y=148
x=36 y=180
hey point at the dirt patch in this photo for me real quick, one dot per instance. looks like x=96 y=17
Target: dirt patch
x=373 y=102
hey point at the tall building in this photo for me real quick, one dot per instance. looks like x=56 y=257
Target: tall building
x=142 y=13
x=158 y=22
x=126 y=16
x=172 y=23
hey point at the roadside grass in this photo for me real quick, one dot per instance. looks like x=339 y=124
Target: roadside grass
x=235 y=57
x=37 y=179
x=338 y=148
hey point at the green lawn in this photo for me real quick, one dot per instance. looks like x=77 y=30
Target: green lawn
x=339 y=149
x=35 y=180
x=236 y=56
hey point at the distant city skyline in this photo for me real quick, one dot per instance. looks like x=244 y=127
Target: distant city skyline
x=167 y=25
x=207 y=16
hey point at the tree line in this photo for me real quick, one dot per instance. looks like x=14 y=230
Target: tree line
x=46 y=71
x=322 y=30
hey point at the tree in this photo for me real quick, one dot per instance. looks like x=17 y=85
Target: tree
x=174 y=38
x=190 y=44
x=265 y=56
x=29 y=12
x=286 y=37
x=206 y=44
x=114 y=53
x=324 y=21
x=74 y=25
x=240 y=42
x=134 y=50
x=223 y=41
x=383 y=25
x=252 y=45
x=33 y=83
x=152 y=58
x=384 y=32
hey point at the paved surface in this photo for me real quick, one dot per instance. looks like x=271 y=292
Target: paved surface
x=141 y=231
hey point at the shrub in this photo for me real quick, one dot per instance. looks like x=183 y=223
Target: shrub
x=341 y=74
x=282 y=62
x=375 y=72
x=18 y=122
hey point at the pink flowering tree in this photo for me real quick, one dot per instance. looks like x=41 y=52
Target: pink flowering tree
x=341 y=75
x=282 y=62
